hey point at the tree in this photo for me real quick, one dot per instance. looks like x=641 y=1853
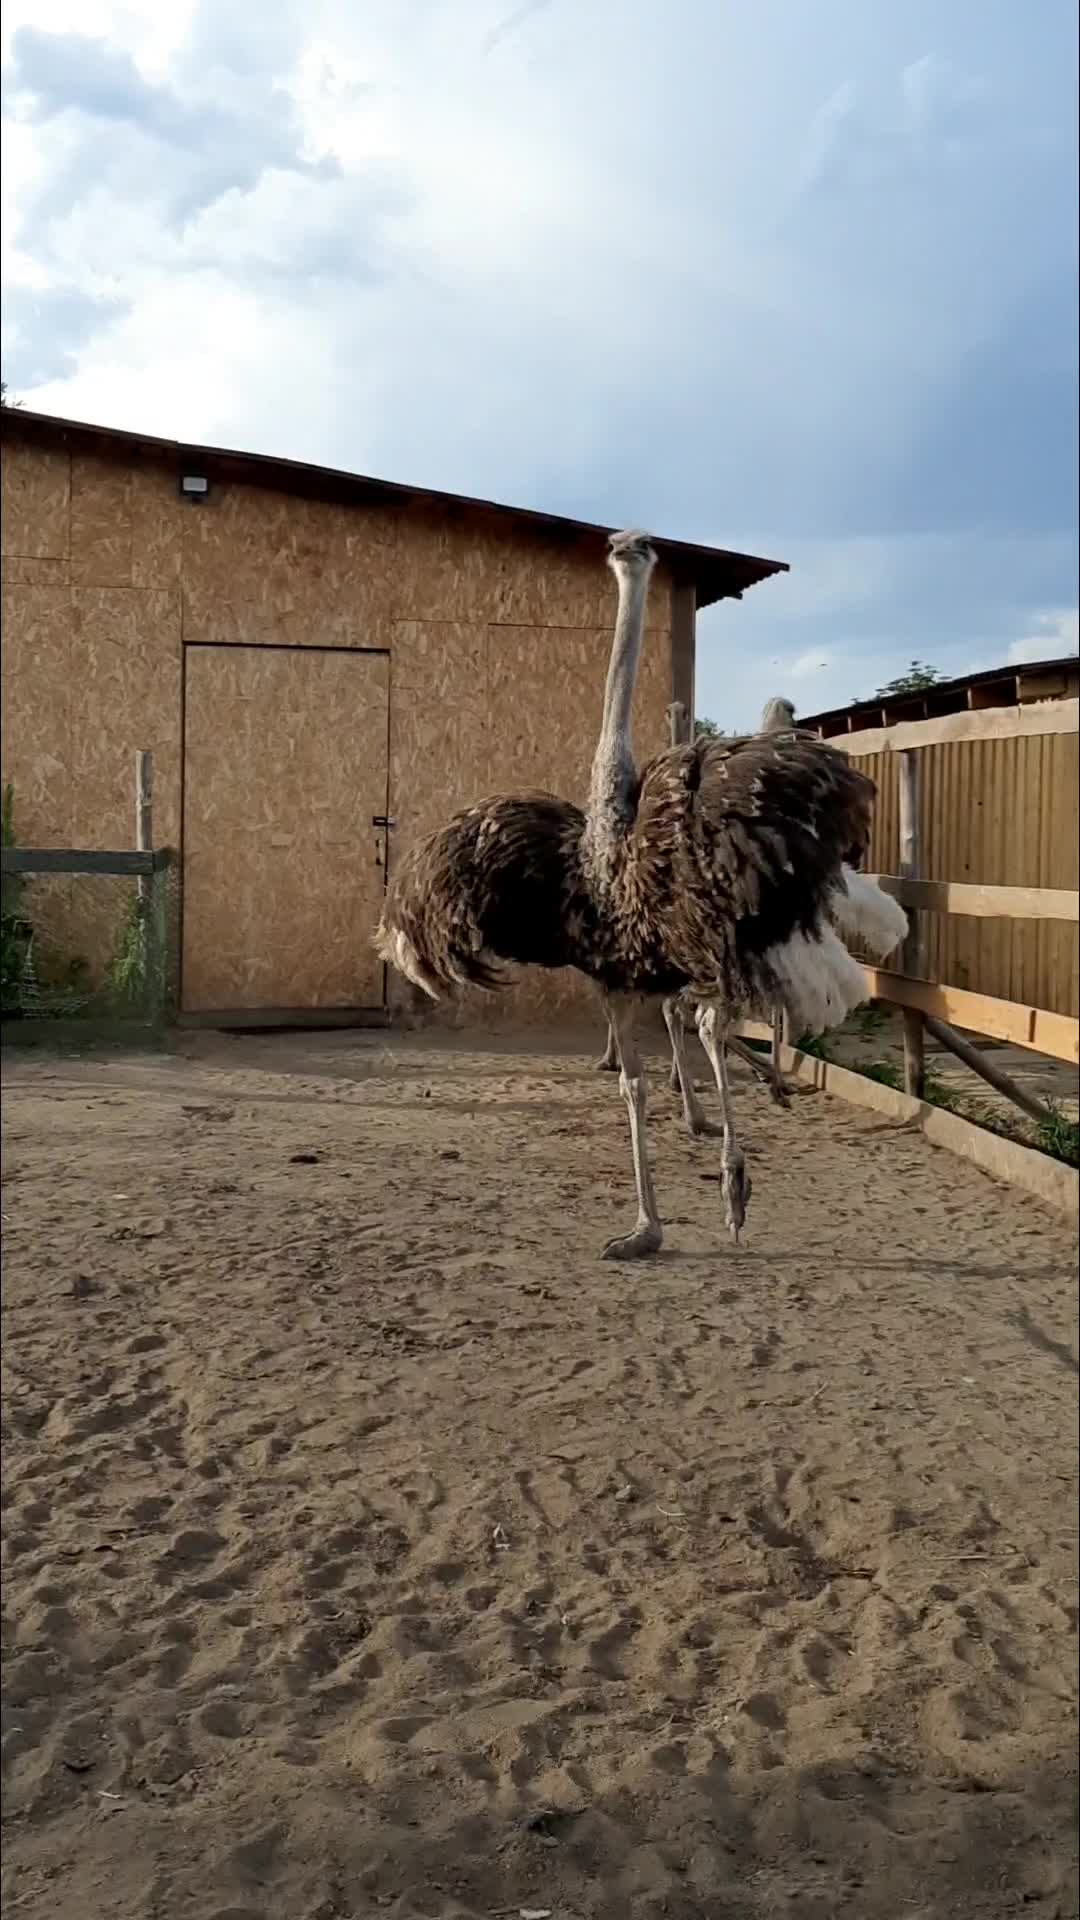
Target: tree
x=706 y=730
x=4 y=401
x=916 y=680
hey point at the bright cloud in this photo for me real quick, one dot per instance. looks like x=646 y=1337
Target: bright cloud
x=1052 y=636
x=808 y=272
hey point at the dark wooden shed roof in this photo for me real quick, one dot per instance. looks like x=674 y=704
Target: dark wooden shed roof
x=1006 y=686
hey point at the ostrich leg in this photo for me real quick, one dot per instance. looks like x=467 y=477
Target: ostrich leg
x=648 y=1234
x=778 y=1089
x=609 y=1059
x=735 y=1183
x=763 y=1069
x=769 y=1070
x=697 y=1120
x=680 y=1082
x=676 y=1026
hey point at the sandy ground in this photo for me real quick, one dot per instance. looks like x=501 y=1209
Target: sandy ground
x=371 y=1547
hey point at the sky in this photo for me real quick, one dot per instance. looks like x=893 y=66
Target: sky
x=798 y=277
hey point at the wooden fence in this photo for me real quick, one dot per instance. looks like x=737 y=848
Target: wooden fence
x=932 y=903
x=938 y=1010
x=998 y=816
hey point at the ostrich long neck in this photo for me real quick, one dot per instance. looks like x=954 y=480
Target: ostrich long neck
x=614 y=776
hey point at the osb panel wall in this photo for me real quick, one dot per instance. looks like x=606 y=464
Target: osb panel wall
x=480 y=709
x=498 y=640
x=36 y=513
x=282 y=881
x=498 y=647
x=264 y=567
x=996 y=813
x=91 y=649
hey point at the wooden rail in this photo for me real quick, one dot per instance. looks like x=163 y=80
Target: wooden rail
x=982 y=903
x=83 y=860
x=1057 y=1034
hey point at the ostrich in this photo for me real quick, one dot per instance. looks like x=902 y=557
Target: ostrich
x=712 y=874
x=781 y=714
x=860 y=910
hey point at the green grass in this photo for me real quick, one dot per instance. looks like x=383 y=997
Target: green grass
x=816 y=1045
x=886 y=1072
x=1057 y=1136
x=869 y=1021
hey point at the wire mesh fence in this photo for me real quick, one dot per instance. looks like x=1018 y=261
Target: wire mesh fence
x=90 y=951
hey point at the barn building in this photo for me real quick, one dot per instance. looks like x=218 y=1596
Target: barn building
x=323 y=665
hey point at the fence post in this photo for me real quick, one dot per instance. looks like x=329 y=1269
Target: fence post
x=145 y=885
x=144 y=813
x=913 y=962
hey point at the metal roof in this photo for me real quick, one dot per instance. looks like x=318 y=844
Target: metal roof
x=714 y=572
x=943 y=697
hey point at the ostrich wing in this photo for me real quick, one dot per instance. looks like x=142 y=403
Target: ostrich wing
x=501 y=881
x=736 y=846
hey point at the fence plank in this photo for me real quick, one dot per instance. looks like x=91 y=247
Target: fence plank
x=982 y=903
x=1056 y=1034
x=77 y=860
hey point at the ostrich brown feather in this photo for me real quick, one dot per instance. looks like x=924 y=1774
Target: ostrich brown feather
x=734 y=847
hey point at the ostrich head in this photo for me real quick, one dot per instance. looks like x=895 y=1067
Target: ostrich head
x=631 y=554
x=778 y=716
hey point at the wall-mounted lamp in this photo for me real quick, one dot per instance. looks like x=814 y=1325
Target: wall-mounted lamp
x=194 y=486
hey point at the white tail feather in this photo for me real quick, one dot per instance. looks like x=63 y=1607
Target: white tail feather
x=398 y=951
x=861 y=910
x=820 y=983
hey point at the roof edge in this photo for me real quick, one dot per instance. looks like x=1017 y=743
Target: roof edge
x=902 y=706
x=716 y=573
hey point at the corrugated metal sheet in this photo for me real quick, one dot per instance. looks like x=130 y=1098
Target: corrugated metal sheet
x=996 y=813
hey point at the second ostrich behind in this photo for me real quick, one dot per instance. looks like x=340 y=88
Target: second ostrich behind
x=712 y=873
x=862 y=911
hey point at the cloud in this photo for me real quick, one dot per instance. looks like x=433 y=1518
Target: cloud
x=1052 y=636
x=46 y=329
x=803 y=280
x=512 y=22
x=869 y=607
x=815 y=660
x=119 y=135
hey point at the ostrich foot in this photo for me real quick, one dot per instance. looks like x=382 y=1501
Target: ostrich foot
x=607 y=1063
x=736 y=1187
x=780 y=1094
x=700 y=1127
x=646 y=1239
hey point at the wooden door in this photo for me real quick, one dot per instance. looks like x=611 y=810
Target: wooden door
x=285 y=765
